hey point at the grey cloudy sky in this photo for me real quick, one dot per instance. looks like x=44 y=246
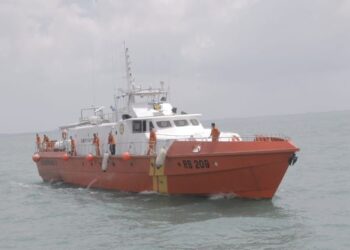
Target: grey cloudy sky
x=220 y=58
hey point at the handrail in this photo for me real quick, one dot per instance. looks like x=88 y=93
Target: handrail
x=108 y=117
x=234 y=137
x=141 y=147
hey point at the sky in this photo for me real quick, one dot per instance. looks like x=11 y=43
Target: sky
x=226 y=58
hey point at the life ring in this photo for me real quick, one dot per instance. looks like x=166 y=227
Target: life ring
x=121 y=128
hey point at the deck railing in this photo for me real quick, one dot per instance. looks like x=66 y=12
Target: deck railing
x=142 y=147
x=235 y=138
x=110 y=117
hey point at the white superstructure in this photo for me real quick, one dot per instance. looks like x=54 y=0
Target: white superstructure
x=136 y=111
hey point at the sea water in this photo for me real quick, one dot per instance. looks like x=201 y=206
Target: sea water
x=311 y=209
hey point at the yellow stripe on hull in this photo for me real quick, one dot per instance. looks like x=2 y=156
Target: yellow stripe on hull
x=160 y=181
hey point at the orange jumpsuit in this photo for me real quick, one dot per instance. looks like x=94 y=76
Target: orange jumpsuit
x=111 y=142
x=46 y=143
x=96 y=142
x=111 y=139
x=152 y=142
x=215 y=133
x=73 y=148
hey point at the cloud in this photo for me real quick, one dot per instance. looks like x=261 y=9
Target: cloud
x=226 y=58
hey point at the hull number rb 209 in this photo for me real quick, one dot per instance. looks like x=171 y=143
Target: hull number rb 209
x=195 y=163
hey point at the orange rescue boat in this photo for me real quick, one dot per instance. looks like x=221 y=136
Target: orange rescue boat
x=158 y=150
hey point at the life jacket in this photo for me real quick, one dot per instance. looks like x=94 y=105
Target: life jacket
x=152 y=137
x=215 y=133
x=46 y=139
x=111 y=140
x=96 y=141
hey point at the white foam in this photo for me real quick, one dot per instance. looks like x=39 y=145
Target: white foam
x=148 y=192
x=221 y=196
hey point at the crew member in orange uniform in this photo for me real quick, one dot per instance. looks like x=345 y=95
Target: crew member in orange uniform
x=96 y=142
x=152 y=142
x=46 y=143
x=38 y=142
x=73 y=150
x=111 y=142
x=215 y=133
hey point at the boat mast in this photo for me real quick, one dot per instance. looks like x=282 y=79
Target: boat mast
x=129 y=77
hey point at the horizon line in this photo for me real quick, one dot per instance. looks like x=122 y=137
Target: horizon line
x=204 y=119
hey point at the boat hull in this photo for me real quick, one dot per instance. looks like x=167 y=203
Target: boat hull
x=244 y=169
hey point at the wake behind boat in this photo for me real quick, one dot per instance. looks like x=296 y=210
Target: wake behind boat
x=146 y=145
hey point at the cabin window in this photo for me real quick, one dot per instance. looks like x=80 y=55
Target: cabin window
x=144 y=128
x=151 y=126
x=163 y=124
x=181 y=123
x=194 y=122
x=139 y=126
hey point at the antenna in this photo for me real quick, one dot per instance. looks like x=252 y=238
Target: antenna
x=129 y=77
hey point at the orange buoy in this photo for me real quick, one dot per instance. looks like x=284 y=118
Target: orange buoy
x=126 y=156
x=89 y=157
x=65 y=157
x=36 y=157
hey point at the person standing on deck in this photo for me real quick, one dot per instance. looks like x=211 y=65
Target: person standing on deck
x=46 y=143
x=215 y=133
x=73 y=149
x=96 y=142
x=38 y=142
x=152 y=142
x=111 y=142
x=64 y=134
